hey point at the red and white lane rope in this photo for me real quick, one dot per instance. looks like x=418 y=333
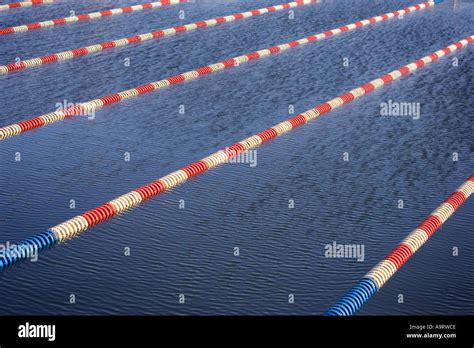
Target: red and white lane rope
x=87 y=16
x=359 y=294
x=83 y=51
x=24 y=4
x=85 y=108
x=75 y=226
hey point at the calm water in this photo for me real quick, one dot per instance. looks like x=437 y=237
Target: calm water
x=190 y=251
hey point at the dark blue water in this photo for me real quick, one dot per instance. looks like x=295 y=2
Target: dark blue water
x=190 y=251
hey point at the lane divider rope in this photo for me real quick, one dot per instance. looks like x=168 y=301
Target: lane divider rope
x=87 y=107
x=24 y=4
x=75 y=226
x=88 y=16
x=83 y=51
x=361 y=292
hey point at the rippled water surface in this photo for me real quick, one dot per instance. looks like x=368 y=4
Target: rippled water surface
x=190 y=251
